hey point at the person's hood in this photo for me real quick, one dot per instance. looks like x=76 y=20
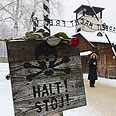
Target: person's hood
x=93 y=54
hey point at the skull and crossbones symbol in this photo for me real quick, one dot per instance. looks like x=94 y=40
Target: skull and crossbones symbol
x=46 y=57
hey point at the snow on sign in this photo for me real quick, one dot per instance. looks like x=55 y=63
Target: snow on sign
x=45 y=79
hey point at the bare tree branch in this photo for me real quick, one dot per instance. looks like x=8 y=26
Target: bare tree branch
x=4 y=8
x=6 y=5
x=20 y=16
x=8 y=18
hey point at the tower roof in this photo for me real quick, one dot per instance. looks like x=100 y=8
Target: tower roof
x=89 y=10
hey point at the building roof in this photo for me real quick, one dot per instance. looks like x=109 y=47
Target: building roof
x=98 y=37
x=89 y=10
x=85 y=53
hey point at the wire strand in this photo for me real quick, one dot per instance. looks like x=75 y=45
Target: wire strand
x=113 y=49
x=93 y=10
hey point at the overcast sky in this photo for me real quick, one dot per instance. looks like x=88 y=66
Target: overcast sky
x=67 y=8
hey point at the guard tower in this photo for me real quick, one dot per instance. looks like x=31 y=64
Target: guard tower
x=86 y=20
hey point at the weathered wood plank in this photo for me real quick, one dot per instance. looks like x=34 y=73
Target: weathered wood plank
x=28 y=47
x=56 y=114
x=45 y=79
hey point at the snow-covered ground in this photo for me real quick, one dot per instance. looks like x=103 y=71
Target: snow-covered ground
x=6 y=102
x=106 y=81
x=101 y=100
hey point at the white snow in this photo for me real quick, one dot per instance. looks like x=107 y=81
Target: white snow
x=85 y=53
x=105 y=81
x=6 y=102
x=110 y=82
x=82 y=111
x=92 y=37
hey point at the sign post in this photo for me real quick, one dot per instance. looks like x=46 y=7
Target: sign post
x=45 y=79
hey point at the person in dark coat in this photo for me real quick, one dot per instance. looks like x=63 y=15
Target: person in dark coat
x=92 y=69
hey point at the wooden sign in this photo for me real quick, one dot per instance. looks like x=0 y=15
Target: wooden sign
x=45 y=79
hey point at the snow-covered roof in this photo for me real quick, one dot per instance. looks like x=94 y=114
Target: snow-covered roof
x=85 y=53
x=92 y=37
